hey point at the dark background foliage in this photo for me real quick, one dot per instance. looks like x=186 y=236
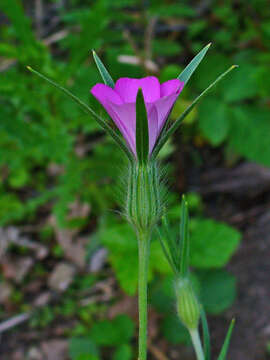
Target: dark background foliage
x=68 y=261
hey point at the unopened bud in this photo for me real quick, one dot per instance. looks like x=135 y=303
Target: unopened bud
x=188 y=307
x=143 y=205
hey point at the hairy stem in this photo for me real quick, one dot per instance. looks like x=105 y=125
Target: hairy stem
x=144 y=247
x=196 y=341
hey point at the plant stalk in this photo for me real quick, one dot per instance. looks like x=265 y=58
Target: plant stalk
x=196 y=341
x=144 y=250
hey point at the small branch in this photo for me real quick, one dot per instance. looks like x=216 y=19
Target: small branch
x=39 y=17
x=159 y=355
x=14 y=321
x=59 y=35
x=149 y=34
x=127 y=36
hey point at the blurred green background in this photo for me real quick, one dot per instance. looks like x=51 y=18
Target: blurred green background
x=68 y=261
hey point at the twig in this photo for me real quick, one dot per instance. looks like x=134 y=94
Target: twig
x=14 y=321
x=59 y=35
x=159 y=355
x=7 y=63
x=149 y=34
x=127 y=36
x=39 y=17
x=134 y=60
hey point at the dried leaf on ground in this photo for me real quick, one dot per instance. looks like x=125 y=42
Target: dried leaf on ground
x=61 y=277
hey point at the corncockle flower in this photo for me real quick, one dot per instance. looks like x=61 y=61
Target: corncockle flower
x=140 y=109
x=120 y=104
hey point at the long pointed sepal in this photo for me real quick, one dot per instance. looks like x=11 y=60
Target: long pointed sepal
x=192 y=66
x=224 y=349
x=184 y=240
x=105 y=126
x=178 y=121
x=107 y=79
x=142 y=136
x=206 y=336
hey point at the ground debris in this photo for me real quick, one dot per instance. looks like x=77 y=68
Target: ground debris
x=13 y=235
x=61 y=277
x=34 y=354
x=16 y=269
x=55 y=349
x=5 y=292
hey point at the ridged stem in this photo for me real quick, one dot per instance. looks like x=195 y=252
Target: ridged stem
x=196 y=341
x=144 y=249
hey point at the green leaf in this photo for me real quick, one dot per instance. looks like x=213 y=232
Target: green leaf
x=122 y=245
x=248 y=138
x=166 y=47
x=224 y=349
x=11 y=208
x=86 y=108
x=174 y=331
x=184 y=239
x=142 y=137
x=114 y=332
x=242 y=86
x=214 y=120
x=103 y=71
x=192 y=66
x=212 y=243
x=83 y=348
x=157 y=262
x=210 y=70
x=162 y=294
x=218 y=290
x=171 y=10
x=206 y=336
x=123 y=352
x=164 y=137
x=14 y=10
x=168 y=72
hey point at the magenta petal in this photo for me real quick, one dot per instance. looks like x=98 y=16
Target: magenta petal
x=120 y=103
x=152 y=126
x=104 y=93
x=124 y=116
x=113 y=104
x=171 y=87
x=128 y=88
x=164 y=106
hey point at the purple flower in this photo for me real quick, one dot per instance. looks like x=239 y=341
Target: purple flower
x=120 y=104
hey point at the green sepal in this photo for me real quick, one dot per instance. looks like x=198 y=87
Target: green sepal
x=142 y=136
x=225 y=346
x=164 y=137
x=184 y=240
x=144 y=196
x=171 y=243
x=107 y=79
x=192 y=66
x=167 y=252
x=90 y=111
x=206 y=336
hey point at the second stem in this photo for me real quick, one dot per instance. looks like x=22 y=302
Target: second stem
x=144 y=250
x=196 y=341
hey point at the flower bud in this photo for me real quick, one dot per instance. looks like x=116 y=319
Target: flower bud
x=143 y=205
x=188 y=307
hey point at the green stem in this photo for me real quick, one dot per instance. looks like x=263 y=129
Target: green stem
x=144 y=249
x=195 y=337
